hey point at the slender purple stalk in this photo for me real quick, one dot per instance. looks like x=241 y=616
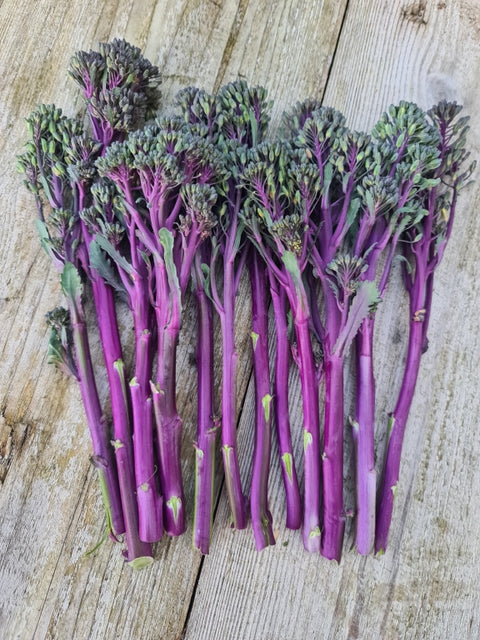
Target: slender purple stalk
x=311 y=434
x=397 y=424
x=364 y=439
x=229 y=384
x=138 y=553
x=280 y=401
x=168 y=422
x=260 y=513
x=206 y=427
x=97 y=424
x=333 y=510
x=150 y=502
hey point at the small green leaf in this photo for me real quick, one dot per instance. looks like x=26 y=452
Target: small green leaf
x=288 y=463
x=327 y=176
x=254 y=336
x=167 y=242
x=366 y=297
x=71 y=283
x=266 y=403
x=353 y=208
x=307 y=439
x=45 y=239
x=391 y=424
x=102 y=265
x=100 y=242
x=175 y=504
x=291 y=265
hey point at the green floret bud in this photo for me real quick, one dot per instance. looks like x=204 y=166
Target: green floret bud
x=197 y=107
x=80 y=156
x=378 y=193
x=290 y=231
x=120 y=85
x=404 y=125
x=199 y=200
x=60 y=348
x=294 y=120
x=344 y=275
x=243 y=112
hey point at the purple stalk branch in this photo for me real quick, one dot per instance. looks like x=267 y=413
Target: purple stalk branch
x=397 y=424
x=311 y=433
x=282 y=420
x=206 y=427
x=229 y=368
x=332 y=465
x=364 y=439
x=168 y=422
x=261 y=516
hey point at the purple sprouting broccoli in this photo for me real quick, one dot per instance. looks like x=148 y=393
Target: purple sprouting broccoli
x=276 y=215
x=162 y=174
x=120 y=87
x=340 y=159
x=207 y=423
x=198 y=111
x=234 y=120
x=388 y=205
x=59 y=163
x=114 y=239
x=423 y=243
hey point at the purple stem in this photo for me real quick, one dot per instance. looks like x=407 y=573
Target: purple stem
x=206 y=428
x=229 y=370
x=364 y=439
x=261 y=516
x=282 y=420
x=397 y=424
x=138 y=553
x=333 y=510
x=105 y=306
x=311 y=426
x=103 y=452
x=150 y=503
x=120 y=403
x=168 y=422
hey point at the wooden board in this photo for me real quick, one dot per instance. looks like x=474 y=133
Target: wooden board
x=359 y=57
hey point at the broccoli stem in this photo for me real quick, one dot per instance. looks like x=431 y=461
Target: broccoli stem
x=150 y=502
x=169 y=426
x=138 y=553
x=261 y=516
x=333 y=510
x=364 y=438
x=229 y=375
x=103 y=453
x=311 y=426
x=282 y=421
x=206 y=428
x=397 y=424
x=112 y=352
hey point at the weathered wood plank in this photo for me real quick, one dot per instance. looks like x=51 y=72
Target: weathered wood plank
x=49 y=501
x=50 y=513
x=49 y=498
x=426 y=584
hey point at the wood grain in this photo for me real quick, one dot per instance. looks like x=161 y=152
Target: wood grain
x=426 y=585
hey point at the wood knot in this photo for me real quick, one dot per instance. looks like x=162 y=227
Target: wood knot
x=415 y=12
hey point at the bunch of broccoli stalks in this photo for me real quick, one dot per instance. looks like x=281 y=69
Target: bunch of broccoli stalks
x=138 y=208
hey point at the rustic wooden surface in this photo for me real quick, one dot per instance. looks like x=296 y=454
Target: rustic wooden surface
x=359 y=56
